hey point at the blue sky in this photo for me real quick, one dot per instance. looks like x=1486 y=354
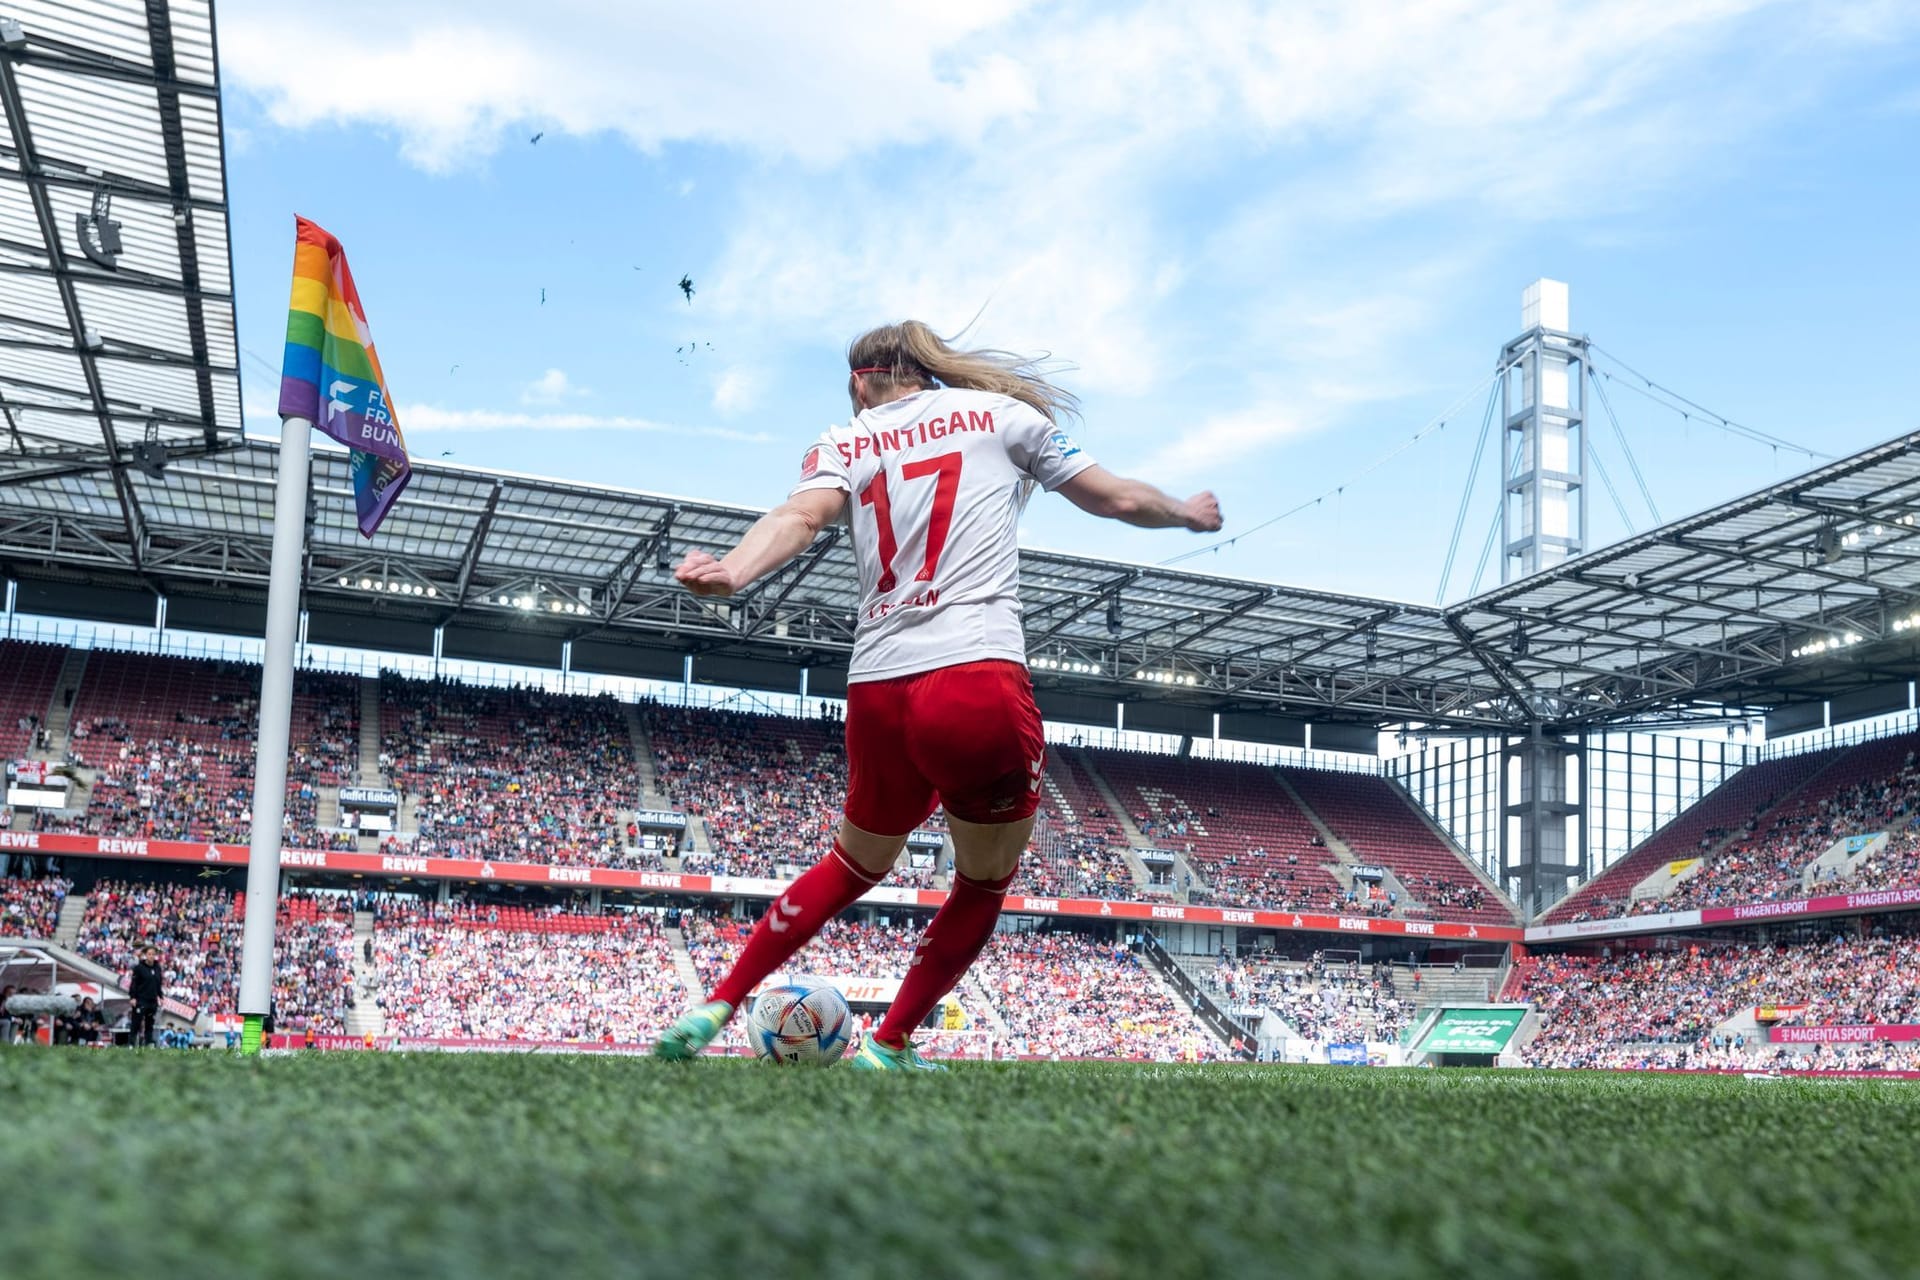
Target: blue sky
x=1272 y=242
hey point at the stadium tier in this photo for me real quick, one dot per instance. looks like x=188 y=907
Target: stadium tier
x=1673 y=1006
x=196 y=930
x=768 y=788
x=517 y=774
x=1239 y=830
x=1757 y=833
x=523 y=775
x=28 y=673
x=1376 y=821
x=1051 y=994
x=1077 y=841
x=31 y=908
x=491 y=972
x=1067 y=996
x=170 y=741
x=1321 y=1001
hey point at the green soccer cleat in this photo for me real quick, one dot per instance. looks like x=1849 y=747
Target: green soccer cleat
x=694 y=1031
x=874 y=1056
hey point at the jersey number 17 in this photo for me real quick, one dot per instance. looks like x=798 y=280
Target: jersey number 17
x=946 y=468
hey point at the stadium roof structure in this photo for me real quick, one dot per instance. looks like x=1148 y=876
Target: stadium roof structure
x=117 y=341
x=125 y=477
x=1801 y=591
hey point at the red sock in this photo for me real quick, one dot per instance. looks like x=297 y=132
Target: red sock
x=952 y=942
x=829 y=887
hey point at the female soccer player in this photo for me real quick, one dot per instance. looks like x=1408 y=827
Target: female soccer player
x=932 y=474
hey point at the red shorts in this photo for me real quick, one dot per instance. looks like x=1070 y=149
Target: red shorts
x=968 y=736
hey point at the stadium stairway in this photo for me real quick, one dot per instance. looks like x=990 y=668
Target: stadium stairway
x=1343 y=856
x=1058 y=766
x=66 y=690
x=326 y=807
x=683 y=963
x=1135 y=840
x=366 y=1017
x=651 y=797
x=66 y=930
x=978 y=1002
x=370 y=732
x=1441 y=985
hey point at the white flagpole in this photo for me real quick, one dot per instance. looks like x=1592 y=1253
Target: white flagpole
x=276 y=717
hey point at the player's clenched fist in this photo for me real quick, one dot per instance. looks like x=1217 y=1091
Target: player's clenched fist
x=1203 y=513
x=703 y=575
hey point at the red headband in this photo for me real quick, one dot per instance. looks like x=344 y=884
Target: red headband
x=872 y=368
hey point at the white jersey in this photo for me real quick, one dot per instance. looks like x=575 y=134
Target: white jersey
x=937 y=482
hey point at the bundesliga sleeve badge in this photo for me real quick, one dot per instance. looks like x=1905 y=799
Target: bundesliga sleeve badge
x=810 y=465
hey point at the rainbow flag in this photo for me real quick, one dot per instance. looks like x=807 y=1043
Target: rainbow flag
x=331 y=376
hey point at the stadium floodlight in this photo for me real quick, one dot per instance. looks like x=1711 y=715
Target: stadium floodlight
x=366 y=584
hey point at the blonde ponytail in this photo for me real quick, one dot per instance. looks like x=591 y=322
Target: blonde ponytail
x=912 y=354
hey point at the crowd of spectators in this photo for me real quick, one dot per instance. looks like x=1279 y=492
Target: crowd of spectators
x=1066 y=861
x=769 y=789
x=1272 y=882
x=520 y=775
x=170 y=742
x=1594 y=1010
x=30 y=908
x=1065 y=995
x=1325 y=1002
x=1059 y=994
x=1771 y=866
x=476 y=972
x=197 y=931
x=1765 y=859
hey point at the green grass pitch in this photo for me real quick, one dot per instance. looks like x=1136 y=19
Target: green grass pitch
x=197 y=1164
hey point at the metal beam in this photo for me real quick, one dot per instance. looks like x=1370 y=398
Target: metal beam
x=43 y=212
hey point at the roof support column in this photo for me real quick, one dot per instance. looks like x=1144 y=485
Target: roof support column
x=1542 y=802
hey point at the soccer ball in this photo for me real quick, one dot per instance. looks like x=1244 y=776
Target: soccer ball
x=799 y=1026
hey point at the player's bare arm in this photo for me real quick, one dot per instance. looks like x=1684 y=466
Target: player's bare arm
x=773 y=541
x=1099 y=492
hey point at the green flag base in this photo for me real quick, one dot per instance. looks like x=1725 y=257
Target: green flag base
x=250 y=1036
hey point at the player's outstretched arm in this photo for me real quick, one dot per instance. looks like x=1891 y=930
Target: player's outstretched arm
x=1102 y=493
x=775 y=539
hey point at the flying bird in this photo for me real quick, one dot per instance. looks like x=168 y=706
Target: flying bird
x=456 y=366
x=543 y=297
x=446 y=453
x=535 y=139
x=686 y=287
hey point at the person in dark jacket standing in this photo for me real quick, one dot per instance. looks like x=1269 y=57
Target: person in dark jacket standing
x=146 y=997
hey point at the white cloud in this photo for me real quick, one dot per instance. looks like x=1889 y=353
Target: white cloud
x=425 y=418
x=1076 y=167
x=738 y=390
x=551 y=387
x=1206 y=450
x=454 y=79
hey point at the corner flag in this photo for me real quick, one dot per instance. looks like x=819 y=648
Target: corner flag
x=331 y=376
